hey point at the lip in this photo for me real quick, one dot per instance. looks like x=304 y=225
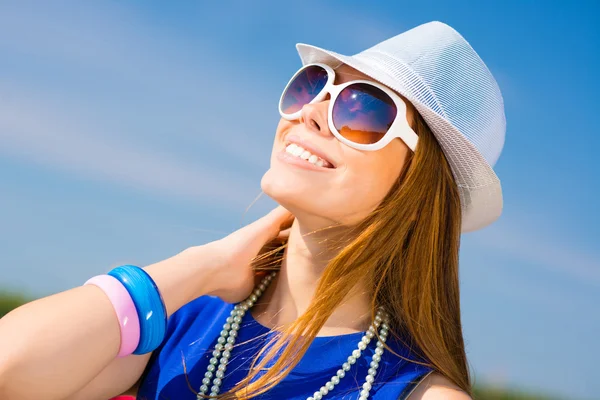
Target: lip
x=310 y=147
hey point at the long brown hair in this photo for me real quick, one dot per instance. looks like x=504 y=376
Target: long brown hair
x=408 y=247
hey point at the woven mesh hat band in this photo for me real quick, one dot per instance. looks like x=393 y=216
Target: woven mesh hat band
x=406 y=77
x=436 y=69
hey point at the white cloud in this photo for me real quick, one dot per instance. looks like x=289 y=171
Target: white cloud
x=111 y=43
x=104 y=38
x=48 y=125
x=543 y=249
x=41 y=134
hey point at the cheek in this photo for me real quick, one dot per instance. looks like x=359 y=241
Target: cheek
x=366 y=184
x=370 y=176
x=282 y=127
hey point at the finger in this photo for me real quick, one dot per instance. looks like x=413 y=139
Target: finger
x=284 y=234
x=287 y=224
x=266 y=227
x=280 y=217
x=279 y=213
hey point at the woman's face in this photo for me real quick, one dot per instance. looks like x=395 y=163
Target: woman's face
x=357 y=180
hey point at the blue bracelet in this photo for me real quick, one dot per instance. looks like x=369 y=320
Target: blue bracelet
x=148 y=303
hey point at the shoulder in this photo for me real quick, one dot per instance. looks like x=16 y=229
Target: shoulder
x=437 y=387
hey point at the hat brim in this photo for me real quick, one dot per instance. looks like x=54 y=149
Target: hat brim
x=480 y=189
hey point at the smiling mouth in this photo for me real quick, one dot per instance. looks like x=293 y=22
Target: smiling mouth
x=303 y=154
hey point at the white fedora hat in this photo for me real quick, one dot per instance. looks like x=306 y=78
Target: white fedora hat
x=437 y=70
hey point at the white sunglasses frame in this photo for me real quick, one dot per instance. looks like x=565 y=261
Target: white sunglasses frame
x=399 y=128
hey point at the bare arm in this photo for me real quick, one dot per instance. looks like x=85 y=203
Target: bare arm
x=64 y=346
x=437 y=387
x=55 y=346
x=117 y=378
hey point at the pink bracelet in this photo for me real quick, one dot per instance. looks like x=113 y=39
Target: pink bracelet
x=125 y=309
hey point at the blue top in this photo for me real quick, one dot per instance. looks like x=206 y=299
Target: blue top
x=192 y=334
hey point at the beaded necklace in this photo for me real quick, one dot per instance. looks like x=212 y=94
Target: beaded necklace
x=217 y=366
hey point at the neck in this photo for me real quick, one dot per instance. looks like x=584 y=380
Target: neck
x=291 y=292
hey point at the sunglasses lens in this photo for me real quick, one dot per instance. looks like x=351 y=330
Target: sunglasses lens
x=303 y=89
x=363 y=113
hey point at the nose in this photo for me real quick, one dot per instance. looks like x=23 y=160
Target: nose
x=314 y=117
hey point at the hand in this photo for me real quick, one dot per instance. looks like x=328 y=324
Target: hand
x=231 y=275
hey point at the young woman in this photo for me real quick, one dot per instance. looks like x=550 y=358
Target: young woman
x=348 y=290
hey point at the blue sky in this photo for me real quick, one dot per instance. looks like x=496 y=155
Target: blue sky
x=131 y=130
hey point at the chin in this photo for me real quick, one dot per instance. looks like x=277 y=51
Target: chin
x=302 y=199
x=293 y=192
x=285 y=190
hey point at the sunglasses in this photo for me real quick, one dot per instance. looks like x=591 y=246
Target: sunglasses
x=364 y=115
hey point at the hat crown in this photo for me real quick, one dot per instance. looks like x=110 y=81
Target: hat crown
x=440 y=69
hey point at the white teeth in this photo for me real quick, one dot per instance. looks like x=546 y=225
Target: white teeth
x=298 y=151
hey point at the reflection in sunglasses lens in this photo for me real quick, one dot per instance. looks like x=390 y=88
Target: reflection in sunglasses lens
x=363 y=113
x=303 y=89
